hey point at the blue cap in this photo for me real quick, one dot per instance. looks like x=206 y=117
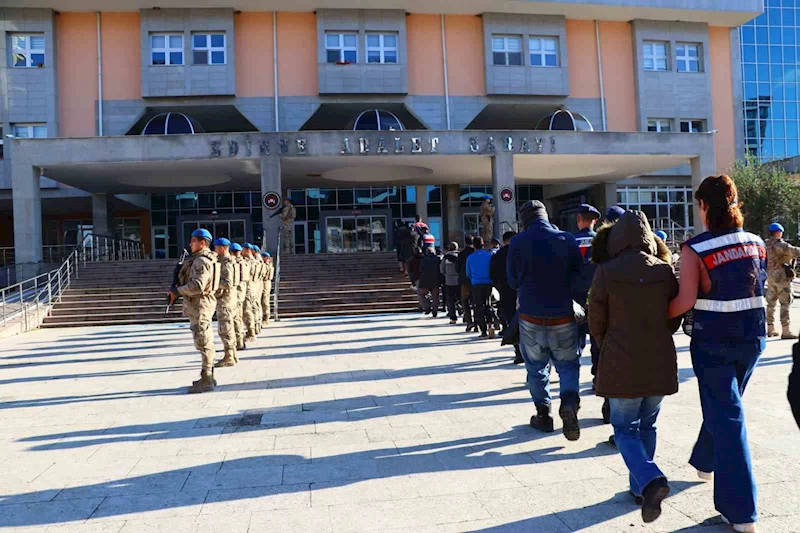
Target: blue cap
x=776 y=227
x=236 y=247
x=248 y=246
x=265 y=254
x=586 y=209
x=487 y=197
x=222 y=241
x=614 y=212
x=661 y=235
x=202 y=234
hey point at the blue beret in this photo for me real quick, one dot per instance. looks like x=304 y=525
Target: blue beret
x=775 y=227
x=661 y=235
x=202 y=234
x=614 y=212
x=586 y=209
x=256 y=248
x=265 y=254
x=248 y=246
x=222 y=241
x=236 y=247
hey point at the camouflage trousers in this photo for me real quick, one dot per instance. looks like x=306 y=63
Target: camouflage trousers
x=265 y=296
x=226 y=325
x=779 y=292
x=238 y=321
x=286 y=239
x=203 y=336
x=247 y=311
x=257 y=305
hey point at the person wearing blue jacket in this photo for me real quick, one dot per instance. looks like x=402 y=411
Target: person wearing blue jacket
x=478 y=271
x=543 y=264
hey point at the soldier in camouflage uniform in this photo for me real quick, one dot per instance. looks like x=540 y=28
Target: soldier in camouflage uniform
x=288 y=214
x=780 y=273
x=241 y=289
x=247 y=307
x=226 y=301
x=269 y=274
x=487 y=219
x=199 y=278
x=258 y=277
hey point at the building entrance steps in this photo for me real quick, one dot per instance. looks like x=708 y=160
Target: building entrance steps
x=134 y=292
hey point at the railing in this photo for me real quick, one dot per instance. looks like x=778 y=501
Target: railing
x=508 y=226
x=676 y=233
x=106 y=248
x=276 y=291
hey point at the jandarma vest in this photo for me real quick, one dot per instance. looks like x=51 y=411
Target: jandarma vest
x=734 y=308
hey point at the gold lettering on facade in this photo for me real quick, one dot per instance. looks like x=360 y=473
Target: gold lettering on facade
x=434 y=145
x=216 y=148
x=525 y=147
x=381 y=149
x=301 y=147
x=284 y=146
x=363 y=145
x=490 y=145
x=416 y=147
x=346 y=147
x=263 y=148
x=552 y=145
x=248 y=144
x=538 y=141
x=474 y=147
x=508 y=144
x=398 y=147
x=233 y=148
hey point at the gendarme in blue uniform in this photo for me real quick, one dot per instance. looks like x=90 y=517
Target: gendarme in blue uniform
x=582 y=285
x=735 y=307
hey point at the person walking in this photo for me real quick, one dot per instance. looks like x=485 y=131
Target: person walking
x=478 y=272
x=226 y=302
x=199 y=280
x=248 y=308
x=780 y=263
x=466 y=284
x=508 y=296
x=449 y=269
x=269 y=275
x=628 y=302
x=428 y=287
x=404 y=243
x=587 y=218
x=543 y=263
x=241 y=289
x=723 y=273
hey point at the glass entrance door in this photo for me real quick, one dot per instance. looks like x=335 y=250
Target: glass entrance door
x=356 y=234
x=471 y=222
x=233 y=230
x=160 y=242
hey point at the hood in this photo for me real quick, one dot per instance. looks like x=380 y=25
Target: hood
x=631 y=232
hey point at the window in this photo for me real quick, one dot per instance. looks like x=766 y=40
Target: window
x=655 y=55
x=544 y=51
x=693 y=126
x=687 y=57
x=27 y=50
x=660 y=125
x=507 y=50
x=166 y=49
x=208 y=48
x=29 y=131
x=381 y=48
x=342 y=48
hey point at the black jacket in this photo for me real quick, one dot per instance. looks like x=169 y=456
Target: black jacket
x=429 y=271
x=497 y=270
x=404 y=243
x=463 y=279
x=794 y=384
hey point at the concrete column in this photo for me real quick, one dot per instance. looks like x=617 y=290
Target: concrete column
x=270 y=182
x=702 y=167
x=505 y=215
x=27 y=205
x=101 y=215
x=452 y=205
x=422 y=202
x=604 y=196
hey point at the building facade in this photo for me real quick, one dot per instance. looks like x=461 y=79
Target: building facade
x=147 y=122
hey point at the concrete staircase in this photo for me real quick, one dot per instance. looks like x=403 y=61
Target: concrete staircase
x=134 y=292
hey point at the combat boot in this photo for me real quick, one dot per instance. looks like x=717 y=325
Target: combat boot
x=228 y=360
x=570 y=403
x=204 y=384
x=771 y=331
x=787 y=333
x=542 y=419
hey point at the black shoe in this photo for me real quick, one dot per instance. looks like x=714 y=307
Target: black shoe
x=435 y=314
x=606 y=410
x=542 y=419
x=483 y=335
x=653 y=494
x=569 y=417
x=612 y=441
x=469 y=327
x=638 y=500
x=427 y=311
x=518 y=360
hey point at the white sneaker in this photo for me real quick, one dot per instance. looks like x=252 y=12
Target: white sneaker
x=705 y=476
x=749 y=527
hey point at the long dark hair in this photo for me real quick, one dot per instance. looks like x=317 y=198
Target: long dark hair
x=721 y=196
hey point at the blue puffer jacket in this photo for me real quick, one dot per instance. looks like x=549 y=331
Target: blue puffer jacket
x=479 y=267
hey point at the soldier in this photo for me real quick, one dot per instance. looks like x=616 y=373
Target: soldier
x=780 y=273
x=247 y=306
x=241 y=289
x=258 y=277
x=226 y=301
x=268 y=277
x=288 y=214
x=487 y=219
x=199 y=278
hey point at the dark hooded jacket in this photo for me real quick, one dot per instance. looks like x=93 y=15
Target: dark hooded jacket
x=631 y=290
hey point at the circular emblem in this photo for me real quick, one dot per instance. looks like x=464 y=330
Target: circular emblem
x=507 y=194
x=272 y=200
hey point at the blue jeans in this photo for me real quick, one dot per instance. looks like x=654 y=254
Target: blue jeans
x=723 y=370
x=542 y=344
x=634 y=421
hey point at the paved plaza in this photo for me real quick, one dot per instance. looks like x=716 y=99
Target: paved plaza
x=387 y=423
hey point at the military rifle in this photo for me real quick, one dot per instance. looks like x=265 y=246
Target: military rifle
x=172 y=295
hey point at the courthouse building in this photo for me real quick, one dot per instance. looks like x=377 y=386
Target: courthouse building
x=146 y=121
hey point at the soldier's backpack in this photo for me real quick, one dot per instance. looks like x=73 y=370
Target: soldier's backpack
x=237 y=274
x=245 y=266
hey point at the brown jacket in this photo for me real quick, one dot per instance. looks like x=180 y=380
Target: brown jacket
x=632 y=287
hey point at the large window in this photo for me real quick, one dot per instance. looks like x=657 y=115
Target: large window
x=687 y=57
x=128 y=228
x=693 y=126
x=208 y=48
x=661 y=125
x=166 y=49
x=544 y=51
x=381 y=48
x=29 y=131
x=506 y=50
x=27 y=50
x=667 y=208
x=655 y=55
x=342 y=47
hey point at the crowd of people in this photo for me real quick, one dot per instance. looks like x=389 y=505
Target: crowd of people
x=549 y=290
